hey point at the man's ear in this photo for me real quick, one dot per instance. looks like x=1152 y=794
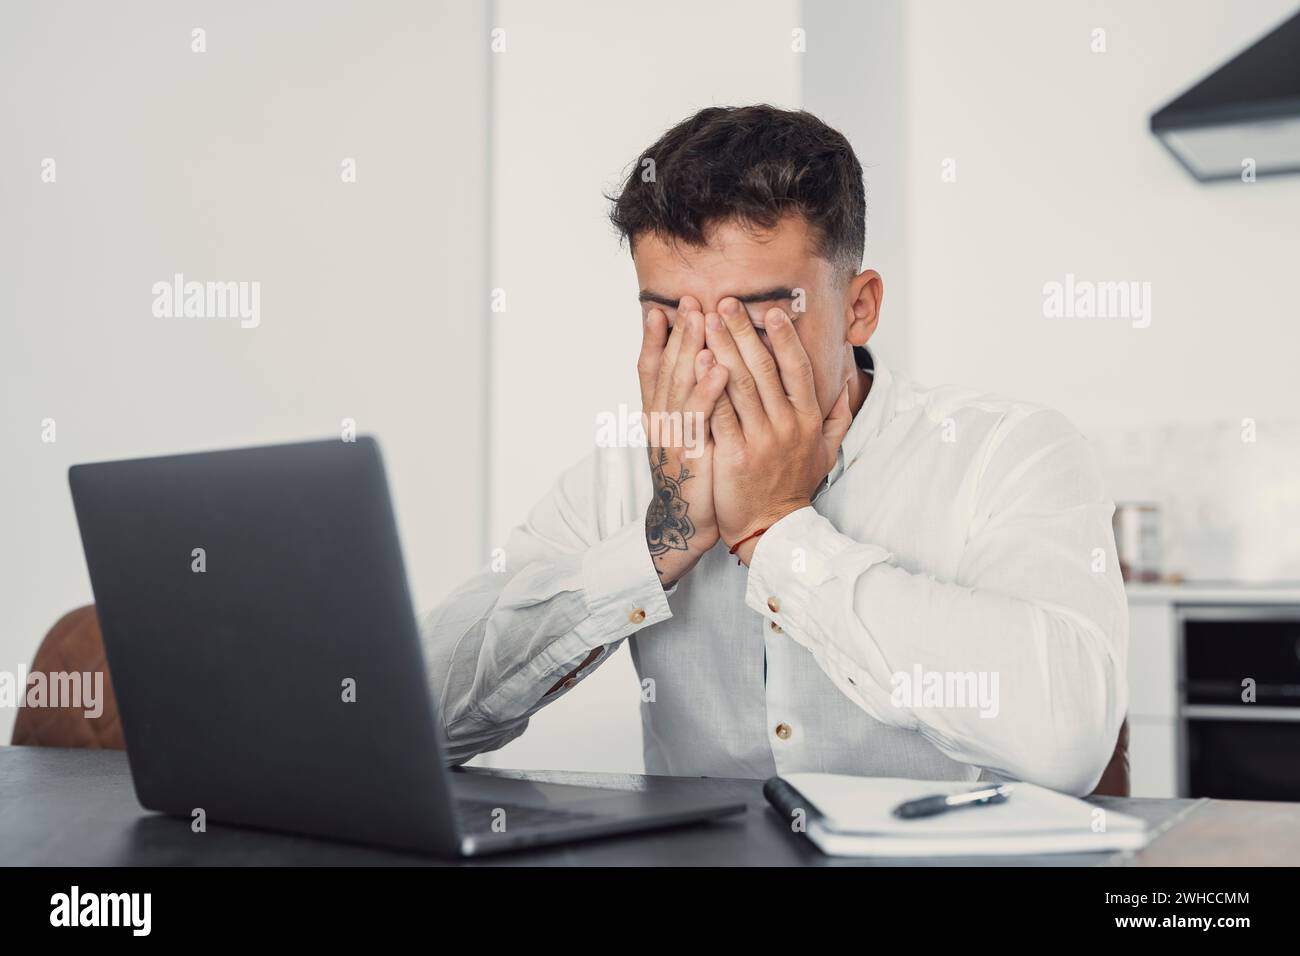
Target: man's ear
x=866 y=290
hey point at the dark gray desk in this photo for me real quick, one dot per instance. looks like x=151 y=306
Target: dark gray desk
x=78 y=808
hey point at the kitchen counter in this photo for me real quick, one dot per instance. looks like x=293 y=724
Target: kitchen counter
x=1212 y=592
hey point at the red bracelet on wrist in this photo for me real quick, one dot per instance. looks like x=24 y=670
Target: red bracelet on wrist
x=747 y=537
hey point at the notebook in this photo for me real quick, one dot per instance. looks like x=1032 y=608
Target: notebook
x=853 y=816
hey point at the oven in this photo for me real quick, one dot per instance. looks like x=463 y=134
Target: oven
x=1239 y=702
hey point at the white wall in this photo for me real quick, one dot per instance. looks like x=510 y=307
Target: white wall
x=852 y=79
x=1057 y=173
x=226 y=166
x=581 y=89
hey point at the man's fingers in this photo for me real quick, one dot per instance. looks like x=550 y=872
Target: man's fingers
x=760 y=361
x=704 y=361
x=683 y=372
x=654 y=336
x=711 y=381
x=796 y=369
x=746 y=404
x=723 y=424
x=704 y=396
x=666 y=363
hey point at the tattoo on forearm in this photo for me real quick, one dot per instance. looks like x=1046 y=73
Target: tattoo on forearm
x=667 y=527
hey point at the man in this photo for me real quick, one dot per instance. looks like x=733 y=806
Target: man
x=924 y=581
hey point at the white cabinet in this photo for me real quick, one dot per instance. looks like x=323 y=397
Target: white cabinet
x=1152 y=661
x=1153 y=699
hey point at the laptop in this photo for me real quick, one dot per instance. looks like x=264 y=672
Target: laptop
x=267 y=664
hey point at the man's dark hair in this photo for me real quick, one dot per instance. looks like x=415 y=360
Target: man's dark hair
x=753 y=165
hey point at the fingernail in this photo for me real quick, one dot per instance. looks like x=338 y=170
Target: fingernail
x=714 y=321
x=728 y=306
x=775 y=319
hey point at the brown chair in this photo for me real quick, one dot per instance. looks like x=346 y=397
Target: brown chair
x=73 y=645
x=1114 y=780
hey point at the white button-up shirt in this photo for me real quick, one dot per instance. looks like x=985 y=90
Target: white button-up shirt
x=949 y=607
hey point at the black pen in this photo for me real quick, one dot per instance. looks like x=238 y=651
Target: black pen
x=791 y=802
x=939 y=803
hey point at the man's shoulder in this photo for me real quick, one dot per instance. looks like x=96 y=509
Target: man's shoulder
x=990 y=413
x=984 y=422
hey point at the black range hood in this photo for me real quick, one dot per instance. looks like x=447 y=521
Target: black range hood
x=1247 y=109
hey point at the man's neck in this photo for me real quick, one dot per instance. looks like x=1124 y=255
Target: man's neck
x=859 y=386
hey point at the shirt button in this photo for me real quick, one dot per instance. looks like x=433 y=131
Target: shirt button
x=773 y=605
x=637 y=616
x=775 y=627
x=571 y=682
x=783 y=731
